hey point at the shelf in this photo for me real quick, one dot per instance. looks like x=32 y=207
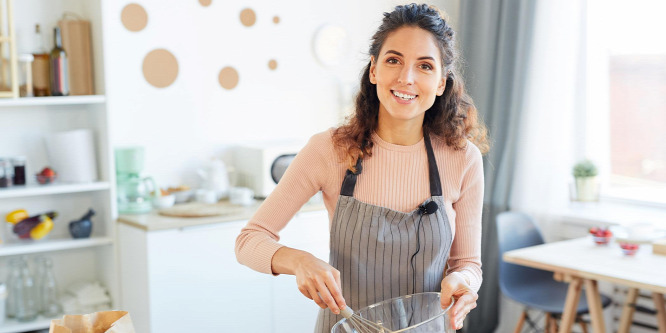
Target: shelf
x=12 y=325
x=50 y=245
x=53 y=100
x=56 y=188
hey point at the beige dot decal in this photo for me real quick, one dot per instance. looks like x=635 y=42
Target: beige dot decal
x=248 y=17
x=205 y=3
x=160 y=68
x=228 y=78
x=134 y=17
x=276 y=19
x=272 y=64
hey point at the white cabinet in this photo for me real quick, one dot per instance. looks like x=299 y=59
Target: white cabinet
x=23 y=124
x=188 y=280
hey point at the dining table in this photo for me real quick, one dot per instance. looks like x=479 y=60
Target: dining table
x=583 y=263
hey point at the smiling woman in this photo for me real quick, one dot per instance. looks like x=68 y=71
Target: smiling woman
x=397 y=227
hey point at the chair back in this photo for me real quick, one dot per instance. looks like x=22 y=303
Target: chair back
x=516 y=230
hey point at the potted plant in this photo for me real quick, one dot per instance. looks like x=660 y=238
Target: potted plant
x=585 y=173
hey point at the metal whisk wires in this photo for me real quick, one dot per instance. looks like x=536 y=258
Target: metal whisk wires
x=362 y=325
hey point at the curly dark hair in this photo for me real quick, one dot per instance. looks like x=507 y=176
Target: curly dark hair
x=452 y=116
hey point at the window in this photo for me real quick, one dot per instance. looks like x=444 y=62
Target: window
x=626 y=85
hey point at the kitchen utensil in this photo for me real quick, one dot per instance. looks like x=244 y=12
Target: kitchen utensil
x=215 y=178
x=82 y=228
x=410 y=313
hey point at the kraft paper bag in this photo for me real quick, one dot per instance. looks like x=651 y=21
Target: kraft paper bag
x=98 y=322
x=77 y=44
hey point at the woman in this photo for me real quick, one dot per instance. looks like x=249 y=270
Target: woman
x=396 y=227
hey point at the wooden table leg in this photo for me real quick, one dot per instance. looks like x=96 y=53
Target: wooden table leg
x=570 y=305
x=658 y=300
x=594 y=303
x=628 y=311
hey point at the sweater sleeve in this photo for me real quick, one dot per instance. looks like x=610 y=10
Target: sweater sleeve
x=305 y=176
x=465 y=256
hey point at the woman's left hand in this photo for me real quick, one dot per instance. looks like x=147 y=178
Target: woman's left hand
x=455 y=285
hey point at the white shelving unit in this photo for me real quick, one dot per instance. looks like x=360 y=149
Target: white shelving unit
x=24 y=122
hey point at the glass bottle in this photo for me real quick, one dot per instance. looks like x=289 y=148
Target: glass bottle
x=19 y=170
x=13 y=286
x=50 y=307
x=24 y=298
x=40 y=66
x=39 y=277
x=6 y=173
x=59 y=74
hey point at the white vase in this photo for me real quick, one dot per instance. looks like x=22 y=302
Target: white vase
x=587 y=189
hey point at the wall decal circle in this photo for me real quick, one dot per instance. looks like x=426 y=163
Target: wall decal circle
x=160 y=68
x=228 y=78
x=272 y=64
x=205 y=3
x=276 y=19
x=134 y=17
x=248 y=17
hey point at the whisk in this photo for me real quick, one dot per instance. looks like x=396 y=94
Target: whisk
x=362 y=325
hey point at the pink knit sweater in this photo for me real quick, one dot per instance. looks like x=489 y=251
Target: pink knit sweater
x=395 y=177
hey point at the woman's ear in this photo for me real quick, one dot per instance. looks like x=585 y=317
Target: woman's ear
x=373 y=67
x=442 y=86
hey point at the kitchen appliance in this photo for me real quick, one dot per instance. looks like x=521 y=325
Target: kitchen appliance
x=134 y=190
x=259 y=166
x=215 y=178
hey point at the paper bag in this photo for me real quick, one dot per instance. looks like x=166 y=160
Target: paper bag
x=77 y=45
x=98 y=322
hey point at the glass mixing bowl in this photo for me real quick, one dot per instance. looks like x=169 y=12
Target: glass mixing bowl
x=413 y=313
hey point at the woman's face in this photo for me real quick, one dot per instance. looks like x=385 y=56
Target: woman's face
x=408 y=74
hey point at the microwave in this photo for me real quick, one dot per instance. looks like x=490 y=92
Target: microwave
x=259 y=166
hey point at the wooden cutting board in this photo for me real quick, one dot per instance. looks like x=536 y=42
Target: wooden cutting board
x=196 y=209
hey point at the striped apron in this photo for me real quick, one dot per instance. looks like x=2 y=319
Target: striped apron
x=373 y=246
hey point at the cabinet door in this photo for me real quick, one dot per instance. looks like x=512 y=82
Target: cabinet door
x=196 y=284
x=293 y=312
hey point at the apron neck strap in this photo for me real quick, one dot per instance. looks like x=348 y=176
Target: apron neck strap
x=349 y=183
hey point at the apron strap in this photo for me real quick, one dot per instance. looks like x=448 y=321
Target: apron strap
x=349 y=183
x=435 y=183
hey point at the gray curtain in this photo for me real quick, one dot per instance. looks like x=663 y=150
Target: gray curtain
x=495 y=38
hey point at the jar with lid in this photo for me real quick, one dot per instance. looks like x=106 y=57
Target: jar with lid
x=6 y=173
x=18 y=163
x=25 y=75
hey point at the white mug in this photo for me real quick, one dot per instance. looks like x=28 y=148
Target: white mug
x=241 y=196
x=206 y=196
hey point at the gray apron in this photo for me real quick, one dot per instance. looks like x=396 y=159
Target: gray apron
x=373 y=246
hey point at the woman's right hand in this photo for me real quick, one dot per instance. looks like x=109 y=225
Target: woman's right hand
x=320 y=282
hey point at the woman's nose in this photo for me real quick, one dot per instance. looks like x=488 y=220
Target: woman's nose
x=406 y=75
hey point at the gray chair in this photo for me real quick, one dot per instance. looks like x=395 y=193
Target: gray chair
x=533 y=288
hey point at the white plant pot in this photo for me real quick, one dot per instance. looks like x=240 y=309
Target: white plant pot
x=587 y=189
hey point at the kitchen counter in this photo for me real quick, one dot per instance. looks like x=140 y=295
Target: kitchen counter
x=154 y=221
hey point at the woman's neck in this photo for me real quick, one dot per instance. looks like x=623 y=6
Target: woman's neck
x=399 y=132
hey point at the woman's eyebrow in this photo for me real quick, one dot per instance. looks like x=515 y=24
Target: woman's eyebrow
x=400 y=54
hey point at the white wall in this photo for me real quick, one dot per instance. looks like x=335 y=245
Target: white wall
x=195 y=118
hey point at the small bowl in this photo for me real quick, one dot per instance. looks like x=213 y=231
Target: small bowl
x=45 y=179
x=183 y=196
x=164 y=201
x=602 y=240
x=629 y=249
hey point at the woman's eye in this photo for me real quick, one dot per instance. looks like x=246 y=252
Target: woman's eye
x=392 y=60
x=426 y=67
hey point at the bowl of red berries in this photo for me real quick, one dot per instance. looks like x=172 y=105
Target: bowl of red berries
x=46 y=176
x=601 y=235
x=629 y=248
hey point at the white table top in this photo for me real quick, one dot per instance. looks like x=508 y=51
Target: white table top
x=581 y=257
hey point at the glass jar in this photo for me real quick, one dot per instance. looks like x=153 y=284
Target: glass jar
x=6 y=173
x=18 y=163
x=25 y=75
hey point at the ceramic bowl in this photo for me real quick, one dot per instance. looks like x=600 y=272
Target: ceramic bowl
x=629 y=249
x=602 y=240
x=45 y=179
x=164 y=201
x=183 y=196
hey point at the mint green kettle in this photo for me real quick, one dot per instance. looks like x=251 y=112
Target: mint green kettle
x=135 y=192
